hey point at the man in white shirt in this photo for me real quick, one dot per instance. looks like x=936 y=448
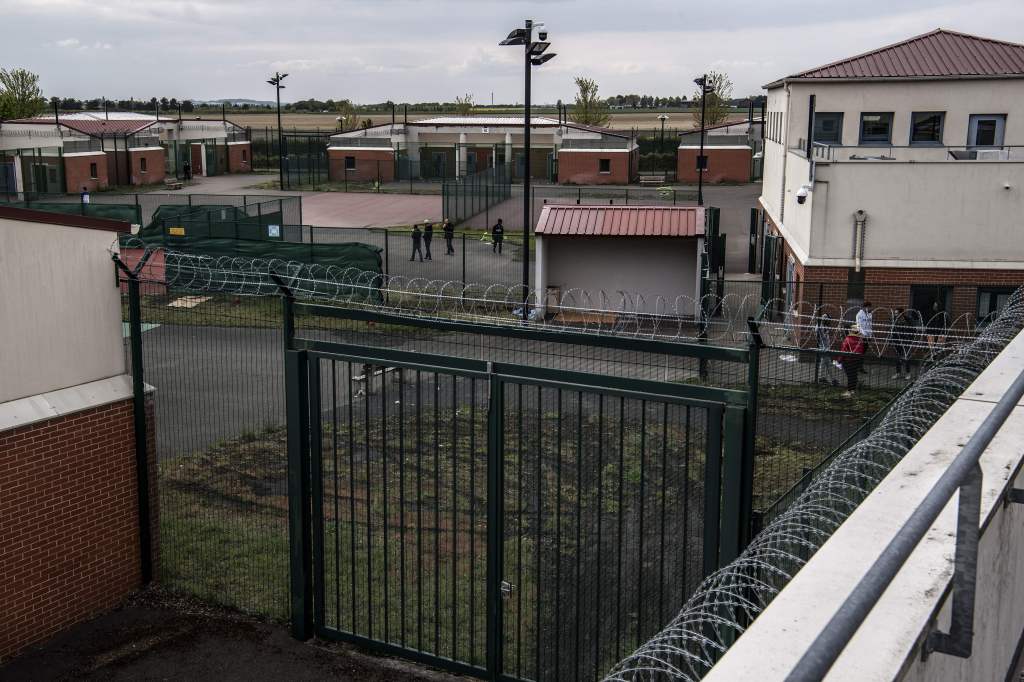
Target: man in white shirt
x=864 y=320
x=85 y=195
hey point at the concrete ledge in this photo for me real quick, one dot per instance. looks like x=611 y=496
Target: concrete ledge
x=37 y=408
x=887 y=645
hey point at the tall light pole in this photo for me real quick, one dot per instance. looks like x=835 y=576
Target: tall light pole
x=276 y=82
x=702 y=162
x=533 y=54
x=662 y=118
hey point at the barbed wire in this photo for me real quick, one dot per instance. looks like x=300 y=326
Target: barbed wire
x=714 y=318
x=729 y=599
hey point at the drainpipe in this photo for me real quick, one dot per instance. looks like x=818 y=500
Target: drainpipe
x=785 y=158
x=860 y=221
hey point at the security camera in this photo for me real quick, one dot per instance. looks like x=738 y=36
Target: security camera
x=801 y=194
x=542 y=34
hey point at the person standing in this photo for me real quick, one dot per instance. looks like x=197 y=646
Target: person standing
x=416 y=237
x=904 y=331
x=853 y=358
x=865 y=320
x=186 y=170
x=497 y=236
x=449 y=234
x=428 y=236
x=85 y=195
x=938 y=327
x=823 y=333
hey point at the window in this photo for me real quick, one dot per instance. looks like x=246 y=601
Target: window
x=828 y=127
x=93 y=171
x=876 y=128
x=53 y=173
x=604 y=166
x=350 y=163
x=990 y=301
x=245 y=155
x=926 y=127
x=986 y=130
x=142 y=164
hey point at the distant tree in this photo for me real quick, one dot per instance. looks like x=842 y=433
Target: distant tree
x=367 y=123
x=464 y=105
x=164 y=103
x=173 y=103
x=153 y=103
x=20 y=96
x=589 y=109
x=717 y=108
x=93 y=104
x=187 y=106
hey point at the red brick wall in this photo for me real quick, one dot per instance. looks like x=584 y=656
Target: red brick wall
x=371 y=164
x=156 y=166
x=69 y=541
x=582 y=168
x=76 y=172
x=890 y=288
x=236 y=164
x=724 y=165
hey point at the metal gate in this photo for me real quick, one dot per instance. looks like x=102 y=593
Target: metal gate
x=498 y=520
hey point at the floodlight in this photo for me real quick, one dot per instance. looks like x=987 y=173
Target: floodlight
x=538 y=48
x=537 y=61
x=516 y=37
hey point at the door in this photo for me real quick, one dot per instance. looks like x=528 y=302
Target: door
x=7 y=181
x=39 y=179
x=986 y=130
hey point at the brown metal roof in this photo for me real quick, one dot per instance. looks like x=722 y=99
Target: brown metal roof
x=65 y=219
x=621 y=221
x=936 y=55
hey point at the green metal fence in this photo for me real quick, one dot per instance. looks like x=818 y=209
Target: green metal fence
x=465 y=513
x=470 y=195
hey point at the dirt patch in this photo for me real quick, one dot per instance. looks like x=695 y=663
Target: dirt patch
x=161 y=636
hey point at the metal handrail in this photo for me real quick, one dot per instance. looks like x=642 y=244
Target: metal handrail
x=963 y=474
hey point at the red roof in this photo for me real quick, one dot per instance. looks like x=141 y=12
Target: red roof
x=94 y=128
x=621 y=221
x=937 y=55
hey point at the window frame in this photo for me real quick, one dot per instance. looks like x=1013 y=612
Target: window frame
x=94 y=170
x=602 y=163
x=994 y=290
x=142 y=165
x=942 y=129
x=245 y=155
x=350 y=163
x=972 y=129
x=839 y=129
x=874 y=143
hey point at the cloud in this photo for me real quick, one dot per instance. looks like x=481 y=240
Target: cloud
x=76 y=44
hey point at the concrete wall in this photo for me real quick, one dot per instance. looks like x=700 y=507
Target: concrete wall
x=649 y=266
x=156 y=165
x=60 y=307
x=582 y=167
x=918 y=214
x=725 y=164
x=888 y=644
x=77 y=171
x=371 y=164
x=959 y=99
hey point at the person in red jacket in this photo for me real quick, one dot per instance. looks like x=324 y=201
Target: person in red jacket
x=852 y=363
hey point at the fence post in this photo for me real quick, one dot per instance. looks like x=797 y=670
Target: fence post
x=387 y=252
x=495 y=523
x=713 y=489
x=296 y=364
x=463 y=265
x=747 y=522
x=140 y=422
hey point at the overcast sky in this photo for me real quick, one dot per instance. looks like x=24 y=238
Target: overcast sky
x=433 y=50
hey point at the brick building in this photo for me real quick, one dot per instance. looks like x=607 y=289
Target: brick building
x=45 y=154
x=455 y=146
x=898 y=178
x=69 y=486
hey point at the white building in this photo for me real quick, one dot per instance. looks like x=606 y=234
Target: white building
x=904 y=164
